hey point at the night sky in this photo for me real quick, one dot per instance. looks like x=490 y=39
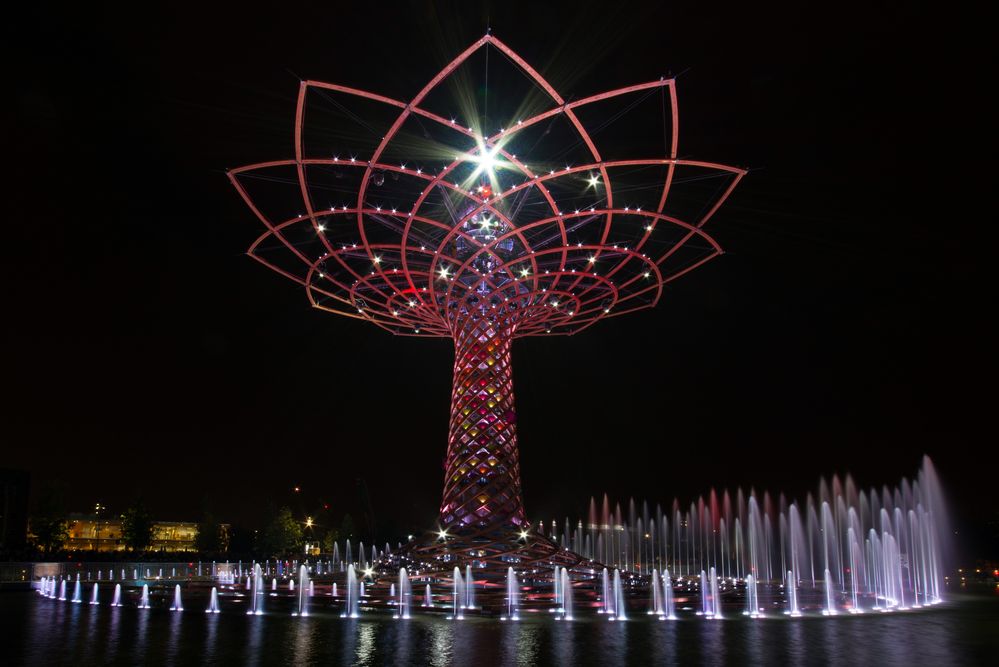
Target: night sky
x=847 y=329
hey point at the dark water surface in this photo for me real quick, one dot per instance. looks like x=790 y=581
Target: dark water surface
x=39 y=631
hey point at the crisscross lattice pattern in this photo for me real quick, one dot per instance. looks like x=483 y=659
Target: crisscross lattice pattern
x=482 y=477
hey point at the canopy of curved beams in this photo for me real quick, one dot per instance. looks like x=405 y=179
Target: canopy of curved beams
x=461 y=246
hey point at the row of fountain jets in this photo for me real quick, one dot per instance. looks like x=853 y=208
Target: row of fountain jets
x=662 y=604
x=463 y=594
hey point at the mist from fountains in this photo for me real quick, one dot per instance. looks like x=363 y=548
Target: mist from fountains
x=303 y=586
x=405 y=595
x=792 y=595
x=668 y=603
x=256 y=593
x=213 y=602
x=619 y=613
x=469 y=588
x=608 y=600
x=830 y=609
x=716 y=611
x=351 y=606
x=566 y=594
x=752 y=600
x=512 y=596
x=177 y=604
x=457 y=596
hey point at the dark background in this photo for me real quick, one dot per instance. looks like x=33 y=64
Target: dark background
x=847 y=329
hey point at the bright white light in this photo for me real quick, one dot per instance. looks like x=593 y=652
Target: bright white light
x=444 y=272
x=524 y=273
x=593 y=181
x=378 y=259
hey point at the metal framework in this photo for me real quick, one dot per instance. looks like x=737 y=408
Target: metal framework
x=477 y=247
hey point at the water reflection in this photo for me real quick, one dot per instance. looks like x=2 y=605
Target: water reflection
x=794 y=646
x=174 y=642
x=64 y=633
x=254 y=639
x=752 y=643
x=663 y=642
x=211 y=637
x=348 y=640
x=113 y=615
x=365 y=644
x=712 y=641
x=141 y=631
x=564 y=643
x=91 y=650
x=613 y=640
x=398 y=643
x=441 y=644
x=303 y=641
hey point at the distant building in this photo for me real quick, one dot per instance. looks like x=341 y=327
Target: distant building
x=14 y=488
x=89 y=532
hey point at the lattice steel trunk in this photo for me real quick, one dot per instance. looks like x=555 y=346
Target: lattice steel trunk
x=482 y=470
